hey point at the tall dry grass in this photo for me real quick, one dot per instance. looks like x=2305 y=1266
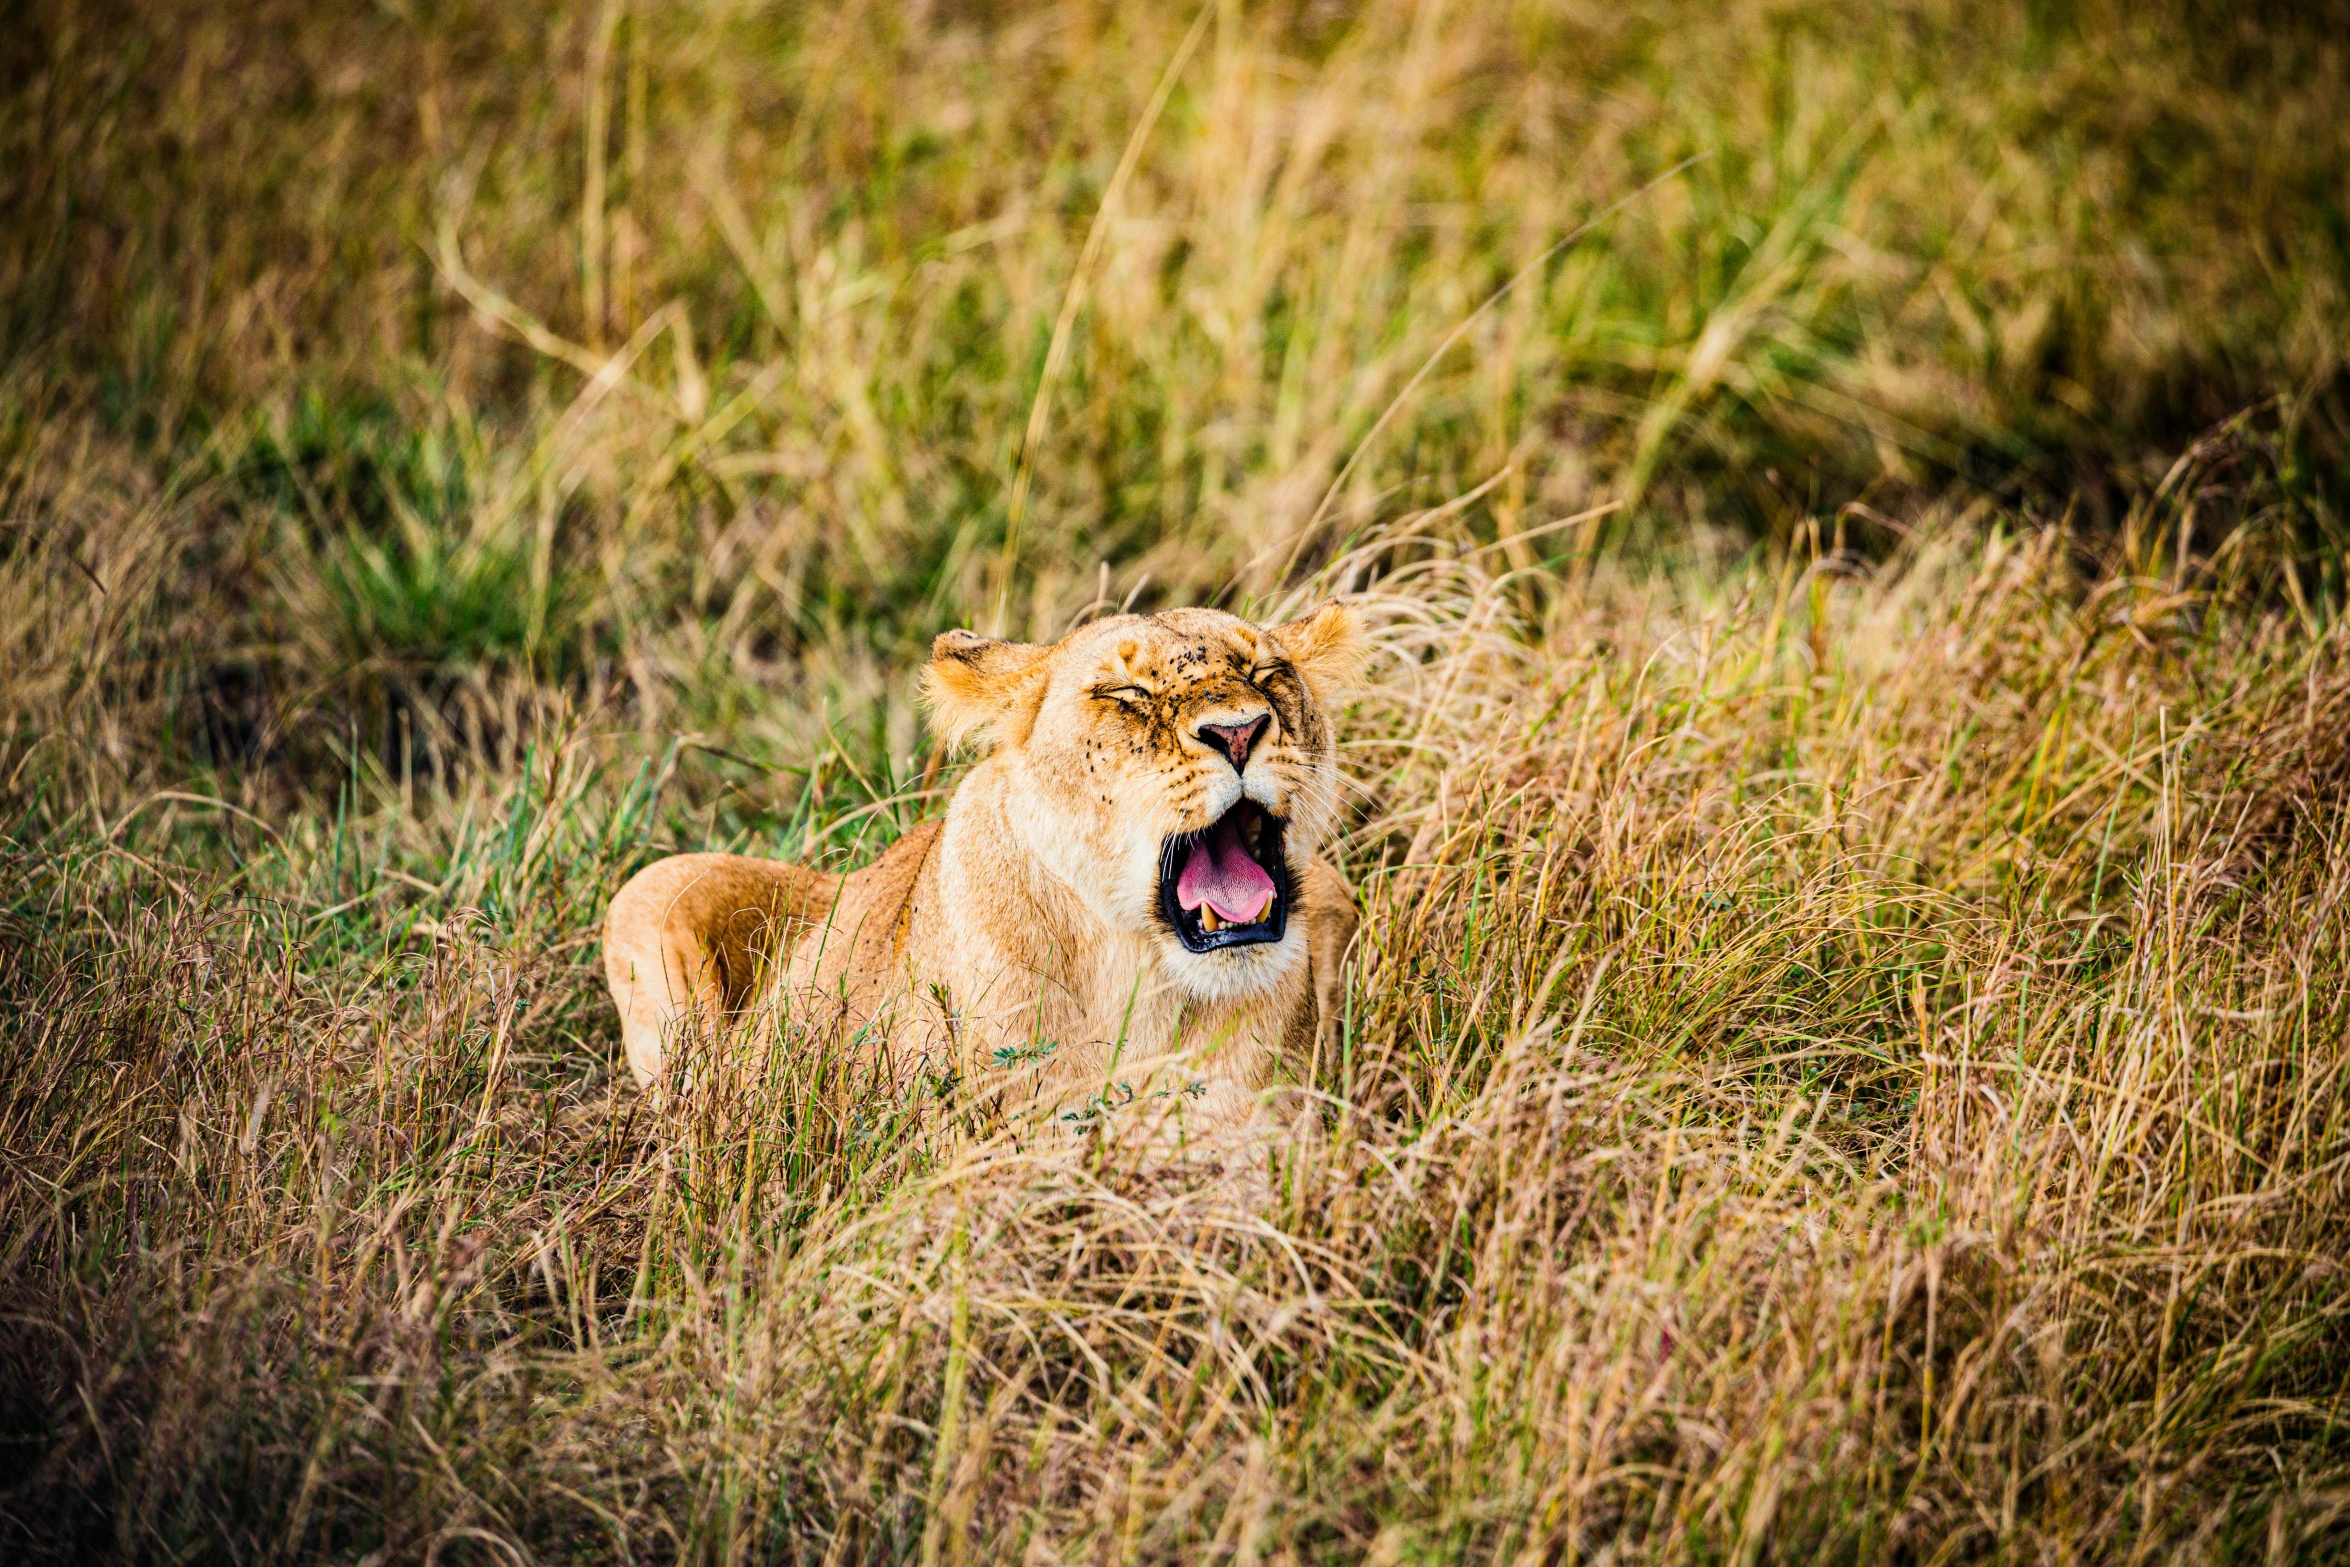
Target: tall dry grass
x=1843 y=1060
x=1848 y=801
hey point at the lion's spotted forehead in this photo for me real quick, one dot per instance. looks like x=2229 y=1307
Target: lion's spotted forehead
x=1170 y=652
x=1146 y=682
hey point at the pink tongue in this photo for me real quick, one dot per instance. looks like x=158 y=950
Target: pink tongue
x=1221 y=874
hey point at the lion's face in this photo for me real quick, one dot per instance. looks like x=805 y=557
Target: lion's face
x=1173 y=770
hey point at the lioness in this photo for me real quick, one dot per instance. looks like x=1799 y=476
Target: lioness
x=1125 y=889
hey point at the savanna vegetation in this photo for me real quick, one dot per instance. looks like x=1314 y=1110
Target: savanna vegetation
x=1848 y=797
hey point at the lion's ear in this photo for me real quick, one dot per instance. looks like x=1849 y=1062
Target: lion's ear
x=977 y=685
x=1326 y=645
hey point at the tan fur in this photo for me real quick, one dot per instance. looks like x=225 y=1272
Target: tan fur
x=1028 y=914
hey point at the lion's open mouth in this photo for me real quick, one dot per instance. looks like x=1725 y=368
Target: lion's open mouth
x=1226 y=885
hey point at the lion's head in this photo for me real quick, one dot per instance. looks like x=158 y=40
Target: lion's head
x=1174 y=771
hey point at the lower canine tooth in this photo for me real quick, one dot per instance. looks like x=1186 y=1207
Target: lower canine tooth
x=1208 y=920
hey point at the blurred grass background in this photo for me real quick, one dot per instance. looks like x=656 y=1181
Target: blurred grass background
x=1849 y=797
x=339 y=280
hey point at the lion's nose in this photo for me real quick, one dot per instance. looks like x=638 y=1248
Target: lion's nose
x=1235 y=740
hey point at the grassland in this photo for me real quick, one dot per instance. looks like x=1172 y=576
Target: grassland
x=1848 y=798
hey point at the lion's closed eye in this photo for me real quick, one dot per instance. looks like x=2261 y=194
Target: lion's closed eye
x=1273 y=682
